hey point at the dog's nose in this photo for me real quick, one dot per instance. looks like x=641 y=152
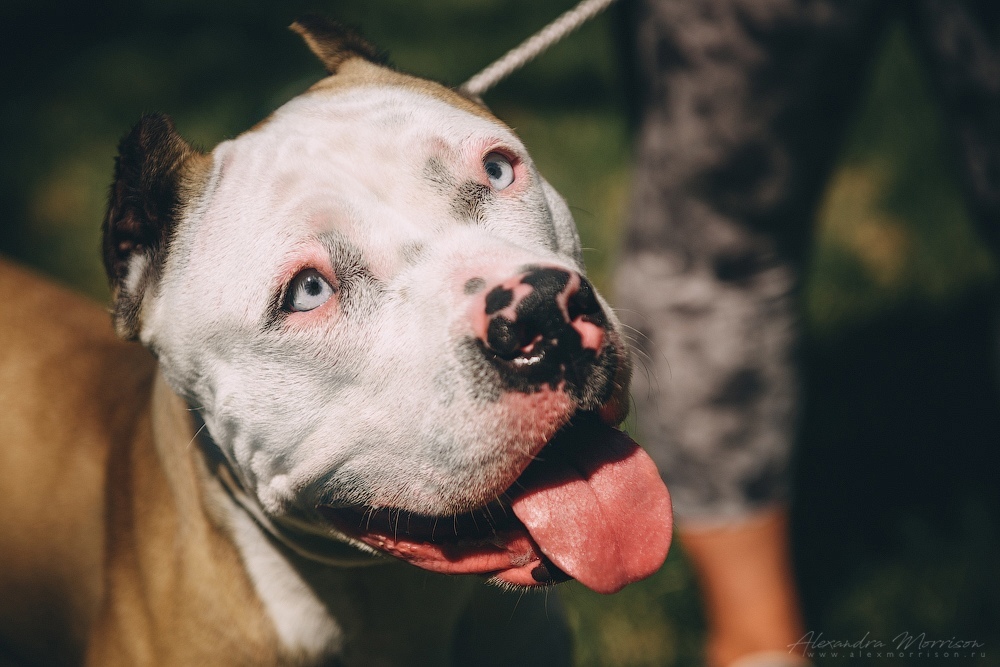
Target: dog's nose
x=543 y=325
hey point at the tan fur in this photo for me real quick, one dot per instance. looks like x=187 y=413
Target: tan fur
x=359 y=72
x=332 y=43
x=86 y=462
x=355 y=62
x=56 y=351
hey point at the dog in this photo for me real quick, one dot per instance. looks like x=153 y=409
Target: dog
x=370 y=362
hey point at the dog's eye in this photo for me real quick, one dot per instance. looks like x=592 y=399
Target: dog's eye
x=307 y=291
x=499 y=170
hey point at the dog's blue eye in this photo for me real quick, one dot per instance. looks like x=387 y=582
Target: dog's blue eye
x=499 y=170
x=307 y=291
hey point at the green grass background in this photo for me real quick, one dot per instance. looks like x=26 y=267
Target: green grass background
x=896 y=495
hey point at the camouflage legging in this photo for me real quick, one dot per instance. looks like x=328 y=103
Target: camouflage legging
x=744 y=107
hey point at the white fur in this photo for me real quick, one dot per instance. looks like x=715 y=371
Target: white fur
x=301 y=620
x=138 y=264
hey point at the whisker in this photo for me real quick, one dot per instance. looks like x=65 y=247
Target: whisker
x=641 y=314
x=519 y=597
x=195 y=436
x=639 y=332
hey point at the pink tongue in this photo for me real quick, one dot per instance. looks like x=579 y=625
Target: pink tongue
x=596 y=506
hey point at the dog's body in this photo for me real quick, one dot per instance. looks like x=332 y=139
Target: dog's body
x=368 y=314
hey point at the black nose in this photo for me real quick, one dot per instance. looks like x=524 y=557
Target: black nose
x=544 y=327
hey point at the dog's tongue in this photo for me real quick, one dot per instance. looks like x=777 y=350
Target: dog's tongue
x=596 y=506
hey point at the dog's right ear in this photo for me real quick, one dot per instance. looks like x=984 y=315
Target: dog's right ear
x=333 y=44
x=156 y=171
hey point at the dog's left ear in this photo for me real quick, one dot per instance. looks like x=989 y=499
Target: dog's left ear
x=156 y=171
x=333 y=43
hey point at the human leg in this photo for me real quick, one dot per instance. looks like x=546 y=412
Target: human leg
x=745 y=103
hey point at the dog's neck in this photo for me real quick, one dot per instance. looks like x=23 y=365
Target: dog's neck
x=296 y=536
x=197 y=473
x=176 y=528
x=165 y=541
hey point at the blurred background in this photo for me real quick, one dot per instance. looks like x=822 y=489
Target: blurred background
x=897 y=500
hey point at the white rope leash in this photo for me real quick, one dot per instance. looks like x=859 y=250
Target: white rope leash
x=529 y=49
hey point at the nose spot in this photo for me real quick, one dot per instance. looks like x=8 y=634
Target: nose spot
x=474 y=285
x=544 y=325
x=498 y=299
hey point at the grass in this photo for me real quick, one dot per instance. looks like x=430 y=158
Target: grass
x=893 y=225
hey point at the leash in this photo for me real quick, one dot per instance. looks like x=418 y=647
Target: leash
x=530 y=48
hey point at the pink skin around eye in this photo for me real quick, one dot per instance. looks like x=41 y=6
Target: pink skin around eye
x=474 y=154
x=309 y=257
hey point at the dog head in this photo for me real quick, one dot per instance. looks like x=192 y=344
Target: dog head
x=378 y=307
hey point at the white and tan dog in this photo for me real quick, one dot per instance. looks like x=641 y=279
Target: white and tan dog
x=371 y=336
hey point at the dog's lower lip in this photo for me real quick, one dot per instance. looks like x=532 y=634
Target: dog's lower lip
x=478 y=525
x=482 y=542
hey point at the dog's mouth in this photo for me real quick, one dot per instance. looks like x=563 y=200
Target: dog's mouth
x=591 y=507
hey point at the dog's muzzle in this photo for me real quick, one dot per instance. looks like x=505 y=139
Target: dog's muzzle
x=590 y=505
